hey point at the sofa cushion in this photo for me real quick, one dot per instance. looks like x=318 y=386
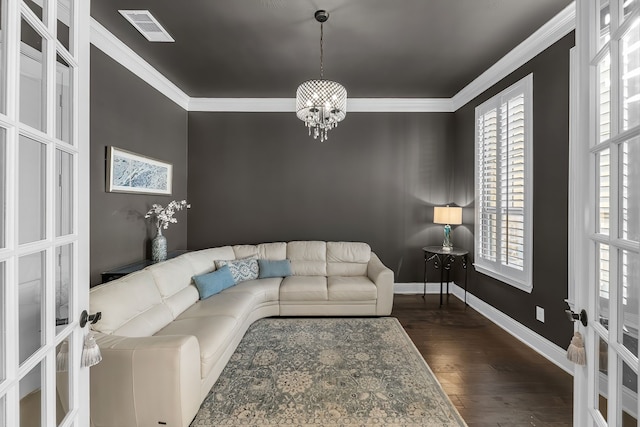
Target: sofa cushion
x=273 y=251
x=241 y=269
x=308 y=258
x=264 y=290
x=237 y=305
x=174 y=280
x=304 y=288
x=347 y=258
x=270 y=268
x=215 y=282
x=351 y=288
x=214 y=333
x=131 y=306
x=202 y=261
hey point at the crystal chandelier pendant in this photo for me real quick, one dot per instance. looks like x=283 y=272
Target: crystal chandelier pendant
x=321 y=104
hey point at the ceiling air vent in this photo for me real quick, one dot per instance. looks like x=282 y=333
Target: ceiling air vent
x=148 y=26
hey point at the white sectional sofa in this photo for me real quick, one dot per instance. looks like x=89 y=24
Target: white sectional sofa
x=163 y=348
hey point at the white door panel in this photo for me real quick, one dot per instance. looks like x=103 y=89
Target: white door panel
x=44 y=195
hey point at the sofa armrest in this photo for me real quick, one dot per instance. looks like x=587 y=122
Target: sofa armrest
x=145 y=381
x=383 y=279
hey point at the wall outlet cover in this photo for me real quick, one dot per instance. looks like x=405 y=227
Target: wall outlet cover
x=540 y=314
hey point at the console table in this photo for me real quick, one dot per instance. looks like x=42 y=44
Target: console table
x=443 y=260
x=118 y=272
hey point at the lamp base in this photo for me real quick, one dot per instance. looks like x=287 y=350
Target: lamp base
x=447 y=248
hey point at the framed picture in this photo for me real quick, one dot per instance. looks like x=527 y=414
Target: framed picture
x=129 y=172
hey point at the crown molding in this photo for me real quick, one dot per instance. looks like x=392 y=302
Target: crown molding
x=247 y=105
x=400 y=105
x=559 y=26
x=354 y=105
x=104 y=40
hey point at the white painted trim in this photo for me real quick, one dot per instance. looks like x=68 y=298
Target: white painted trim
x=535 y=341
x=559 y=26
x=400 y=105
x=354 y=105
x=418 y=288
x=125 y=56
x=255 y=105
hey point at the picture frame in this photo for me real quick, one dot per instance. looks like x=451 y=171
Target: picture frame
x=128 y=172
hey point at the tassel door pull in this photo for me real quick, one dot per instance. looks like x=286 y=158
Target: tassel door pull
x=576 y=352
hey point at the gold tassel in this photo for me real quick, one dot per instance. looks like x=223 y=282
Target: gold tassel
x=91 y=352
x=576 y=352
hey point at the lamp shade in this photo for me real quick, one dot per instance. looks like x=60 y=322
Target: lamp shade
x=447 y=215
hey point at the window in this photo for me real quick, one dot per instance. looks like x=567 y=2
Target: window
x=504 y=185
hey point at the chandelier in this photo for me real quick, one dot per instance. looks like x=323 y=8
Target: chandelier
x=321 y=104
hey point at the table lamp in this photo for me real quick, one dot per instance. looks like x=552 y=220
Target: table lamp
x=448 y=216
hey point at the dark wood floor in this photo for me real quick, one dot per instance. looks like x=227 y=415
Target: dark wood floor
x=491 y=377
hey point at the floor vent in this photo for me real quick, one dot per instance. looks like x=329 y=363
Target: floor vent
x=148 y=26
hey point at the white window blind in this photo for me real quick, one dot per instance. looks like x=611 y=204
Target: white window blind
x=503 y=185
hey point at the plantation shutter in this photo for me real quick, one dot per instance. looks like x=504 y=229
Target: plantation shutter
x=512 y=182
x=503 y=150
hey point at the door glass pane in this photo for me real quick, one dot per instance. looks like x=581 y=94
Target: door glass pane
x=63 y=100
x=32 y=190
x=630 y=57
x=32 y=81
x=604 y=98
x=64 y=193
x=31 y=281
x=3 y=188
x=64 y=276
x=3 y=334
x=604 y=23
x=604 y=186
x=627 y=6
x=37 y=7
x=63 y=383
x=601 y=377
x=603 y=280
x=630 y=268
x=628 y=396
x=64 y=18
x=631 y=190
x=31 y=398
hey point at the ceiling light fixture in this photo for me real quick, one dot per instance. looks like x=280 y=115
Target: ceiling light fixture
x=321 y=104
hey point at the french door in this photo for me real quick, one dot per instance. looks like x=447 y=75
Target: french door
x=606 y=177
x=44 y=147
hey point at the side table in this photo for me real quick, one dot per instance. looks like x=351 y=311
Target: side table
x=443 y=260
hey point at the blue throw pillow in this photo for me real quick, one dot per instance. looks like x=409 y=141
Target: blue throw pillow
x=270 y=268
x=214 y=282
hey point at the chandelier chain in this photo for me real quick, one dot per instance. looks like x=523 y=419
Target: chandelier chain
x=321 y=52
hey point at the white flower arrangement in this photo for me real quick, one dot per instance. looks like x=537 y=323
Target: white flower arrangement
x=164 y=216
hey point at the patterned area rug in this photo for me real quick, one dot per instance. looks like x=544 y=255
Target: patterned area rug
x=327 y=372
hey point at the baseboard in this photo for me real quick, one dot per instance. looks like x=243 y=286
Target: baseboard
x=535 y=341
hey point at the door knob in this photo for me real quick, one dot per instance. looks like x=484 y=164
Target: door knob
x=582 y=316
x=91 y=318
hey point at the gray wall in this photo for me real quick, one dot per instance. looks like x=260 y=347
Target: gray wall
x=260 y=178
x=550 y=195
x=128 y=113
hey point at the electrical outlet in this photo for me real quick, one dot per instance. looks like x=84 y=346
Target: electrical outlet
x=540 y=314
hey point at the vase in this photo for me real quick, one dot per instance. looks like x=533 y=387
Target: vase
x=159 y=247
